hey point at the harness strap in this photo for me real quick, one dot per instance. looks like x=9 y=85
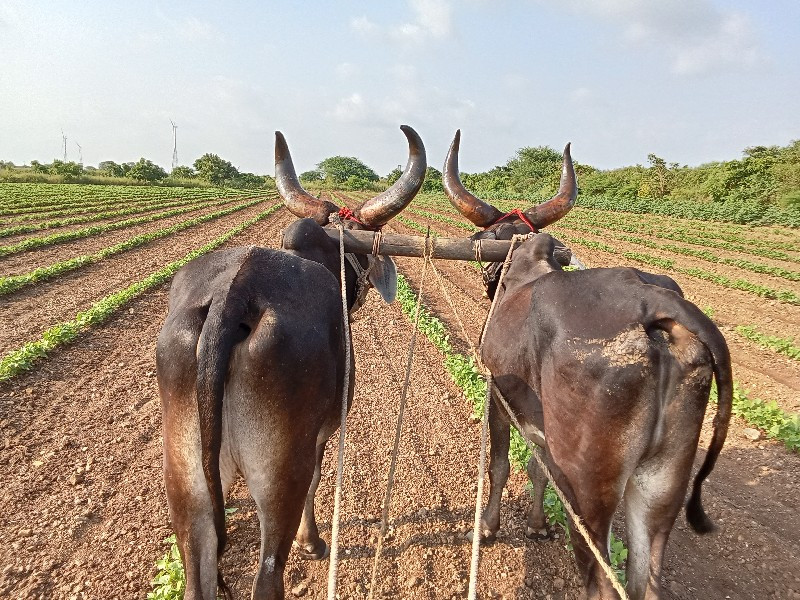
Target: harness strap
x=362 y=274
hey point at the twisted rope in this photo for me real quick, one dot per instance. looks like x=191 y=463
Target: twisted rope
x=333 y=566
x=373 y=586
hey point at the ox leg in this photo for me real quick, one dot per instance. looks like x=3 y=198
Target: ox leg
x=190 y=507
x=499 y=467
x=279 y=511
x=310 y=544
x=653 y=499
x=601 y=501
x=537 y=524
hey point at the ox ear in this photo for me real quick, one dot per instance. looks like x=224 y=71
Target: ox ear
x=383 y=276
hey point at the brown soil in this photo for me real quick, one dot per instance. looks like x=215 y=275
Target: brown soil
x=84 y=512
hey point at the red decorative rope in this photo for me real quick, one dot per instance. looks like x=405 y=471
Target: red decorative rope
x=518 y=213
x=346 y=213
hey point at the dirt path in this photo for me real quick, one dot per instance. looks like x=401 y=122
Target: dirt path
x=84 y=510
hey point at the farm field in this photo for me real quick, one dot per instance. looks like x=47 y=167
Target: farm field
x=83 y=504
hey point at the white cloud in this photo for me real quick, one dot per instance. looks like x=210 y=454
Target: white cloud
x=695 y=35
x=407 y=100
x=11 y=14
x=196 y=30
x=350 y=109
x=346 y=70
x=432 y=20
x=363 y=25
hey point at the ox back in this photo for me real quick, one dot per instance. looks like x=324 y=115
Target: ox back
x=254 y=340
x=615 y=368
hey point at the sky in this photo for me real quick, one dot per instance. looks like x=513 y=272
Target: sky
x=692 y=81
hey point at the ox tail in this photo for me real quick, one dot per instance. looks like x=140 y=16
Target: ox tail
x=214 y=349
x=692 y=318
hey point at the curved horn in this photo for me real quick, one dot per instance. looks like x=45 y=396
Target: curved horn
x=476 y=210
x=299 y=202
x=380 y=209
x=559 y=205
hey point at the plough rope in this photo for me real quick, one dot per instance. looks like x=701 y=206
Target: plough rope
x=373 y=586
x=334 y=555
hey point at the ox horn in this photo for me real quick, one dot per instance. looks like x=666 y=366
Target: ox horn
x=380 y=209
x=476 y=210
x=559 y=205
x=299 y=202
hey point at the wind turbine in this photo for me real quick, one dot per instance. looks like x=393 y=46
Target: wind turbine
x=174 y=144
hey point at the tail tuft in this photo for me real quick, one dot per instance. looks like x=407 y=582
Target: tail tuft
x=695 y=515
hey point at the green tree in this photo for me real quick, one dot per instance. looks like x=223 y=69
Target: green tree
x=146 y=170
x=394 y=174
x=110 y=168
x=432 y=181
x=182 y=172
x=338 y=169
x=214 y=169
x=248 y=181
x=311 y=176
x=68 y=169
x=661 y=177
x=38 y=167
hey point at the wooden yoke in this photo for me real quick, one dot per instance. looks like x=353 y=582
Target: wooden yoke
x=392 y=244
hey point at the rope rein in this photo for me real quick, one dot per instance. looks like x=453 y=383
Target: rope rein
x=373 y=586
x=535 y=451
x=334 y=556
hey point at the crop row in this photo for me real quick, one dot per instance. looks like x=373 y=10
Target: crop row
x=57 y=238
x=729 y=233
x=615 y=222
x=702 y=254
x=14 y=282
x=757 y=249
x=109 y=214
x=786 y=296
x=91 y=205
x=19 y=195
x=786 y=346
x=24 y=358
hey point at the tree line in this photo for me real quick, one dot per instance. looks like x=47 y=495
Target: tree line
x=209 y=169
x=767 y=176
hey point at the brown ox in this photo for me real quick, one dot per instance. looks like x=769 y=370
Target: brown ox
x=610 y=371
x=250 y=364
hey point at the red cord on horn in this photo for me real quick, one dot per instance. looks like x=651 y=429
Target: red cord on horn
x=346 y=213
x=518 y=213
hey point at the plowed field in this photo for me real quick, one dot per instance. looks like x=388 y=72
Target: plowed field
x=82 y=503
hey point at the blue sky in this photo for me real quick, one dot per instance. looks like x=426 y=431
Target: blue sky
x=691 y=80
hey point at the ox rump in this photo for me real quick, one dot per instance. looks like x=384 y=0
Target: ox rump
x=251 y=362
x=609 y=369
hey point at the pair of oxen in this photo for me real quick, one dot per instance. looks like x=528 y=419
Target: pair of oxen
x=608 y=369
